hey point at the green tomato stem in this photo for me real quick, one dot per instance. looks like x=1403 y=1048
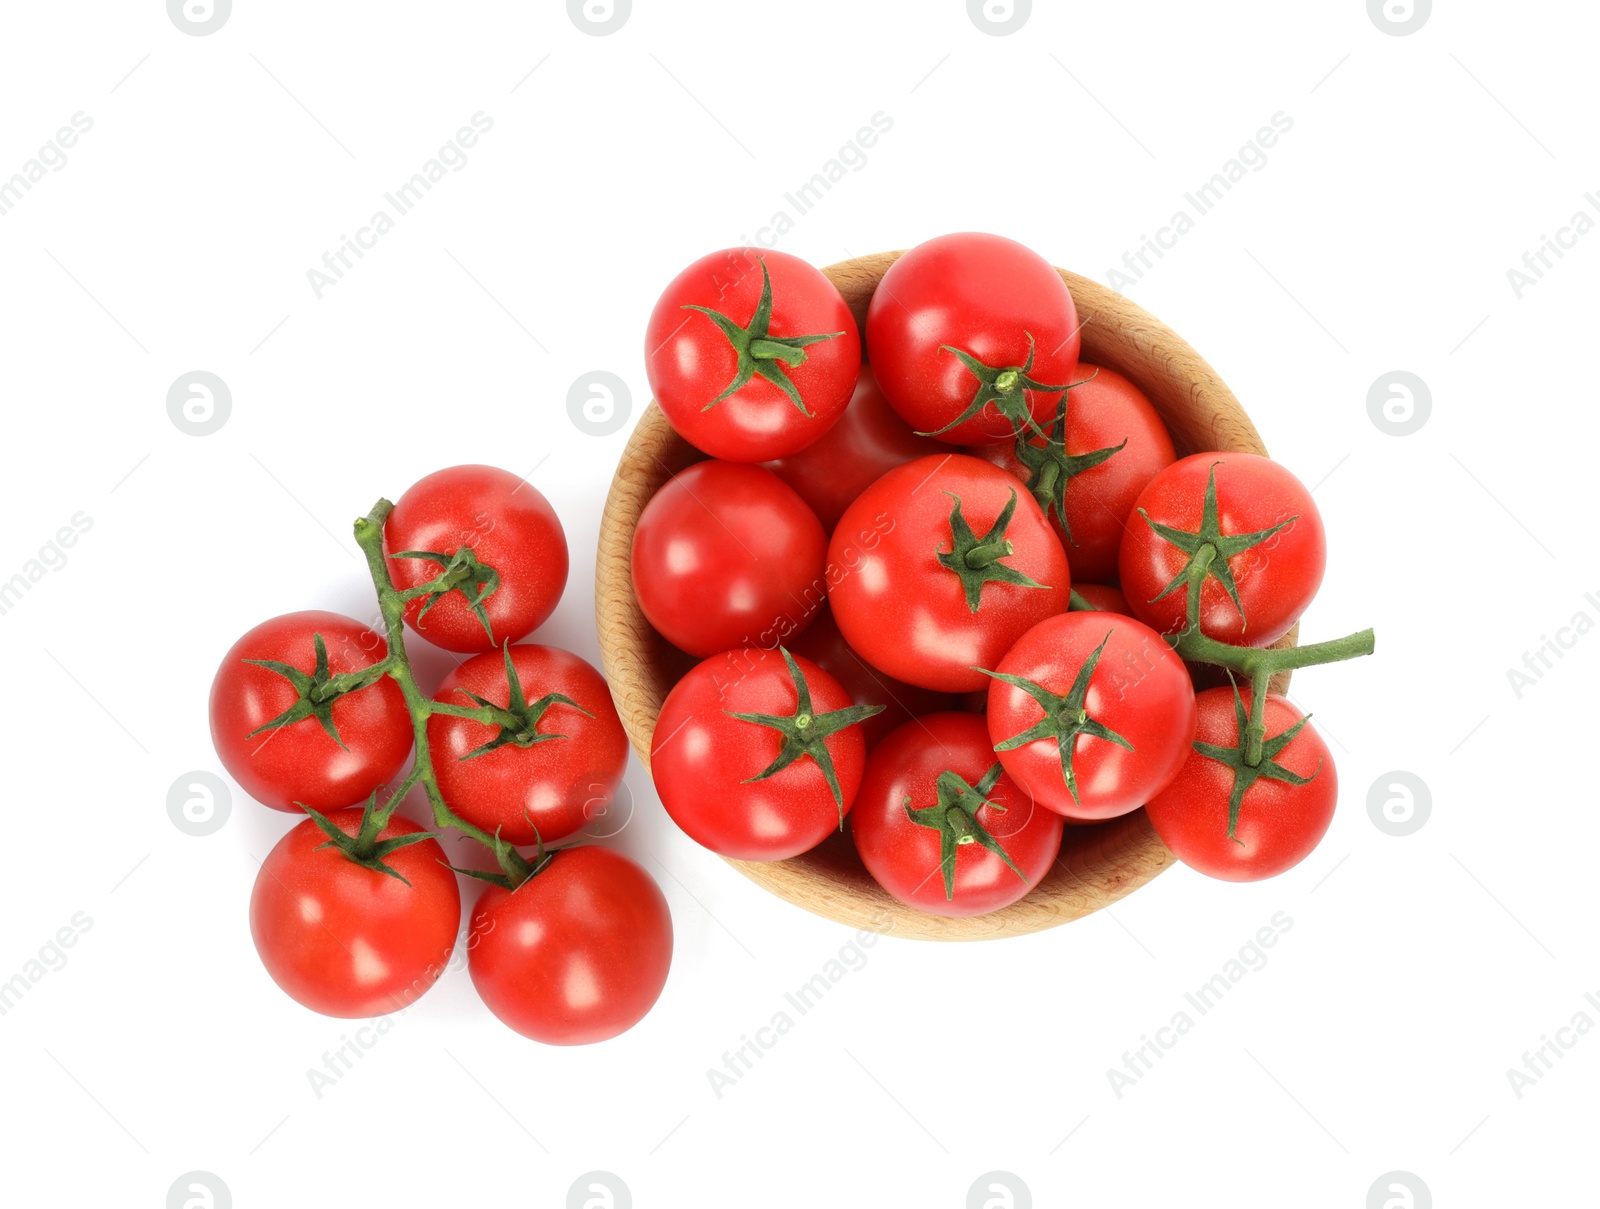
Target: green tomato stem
x=397 y=666
x=983 y=555
x=1258 y=664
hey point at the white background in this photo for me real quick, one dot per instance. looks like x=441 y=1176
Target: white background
x=1378 y=236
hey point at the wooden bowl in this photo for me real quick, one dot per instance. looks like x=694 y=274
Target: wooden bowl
x=1099 y=863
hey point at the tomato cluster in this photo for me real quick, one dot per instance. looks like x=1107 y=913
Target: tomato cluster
x=356 y=910
x=958 y=599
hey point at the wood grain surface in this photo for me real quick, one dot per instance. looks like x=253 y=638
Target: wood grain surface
x=1100 y=863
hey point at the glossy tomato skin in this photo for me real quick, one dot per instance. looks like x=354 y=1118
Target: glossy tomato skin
x=903 y=856
x=1107 y=598
x=690 y=361
x=983 y=294
x=349 y=941
x=508 y=524
x=726 y=555
x=868 y=441
x=702 y=758
x=300 y=763
x=576 y=954
x=1102 y=413
x=1276 y=580
x=907 y=614
x=550 y=789
x=825 y=646
x=1279 y=824
x=1140 y=689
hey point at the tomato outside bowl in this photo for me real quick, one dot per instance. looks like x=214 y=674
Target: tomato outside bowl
x=1099 y=863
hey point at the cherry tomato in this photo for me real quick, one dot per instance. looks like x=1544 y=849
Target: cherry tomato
x=727 y=555
x=825 y=646
x=1107 y=598
x=1266 y=539
x=1115 y=443
x=868 y=440
x=576 y=954
x=756 y=754
x=939 y=567
x=348 y=940
x=751 y=354
x=1092 y=714
x=508 y=526
x=973 y=336
x=301 y=762
x=1278 y=809
x=552 y=773
x=941 y=827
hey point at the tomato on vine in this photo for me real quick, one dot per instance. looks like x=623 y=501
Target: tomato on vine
x=1241 y=523
x=1091 y=713
x=940 y=825
x=300 y=716
x=757 y=754
x=495 y=537
x=353 y=920
x=1239 y=820
x=939 y=567
x=1104 y=444
x=726 y=555
x=576 y=953
x=751 y=355
x=553 y=758
x=973 y=338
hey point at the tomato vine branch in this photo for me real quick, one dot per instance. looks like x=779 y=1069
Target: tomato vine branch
x=397 y=666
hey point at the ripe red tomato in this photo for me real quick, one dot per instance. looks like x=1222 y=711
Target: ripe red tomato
x=1115 y=443
x=545 y=778
x=508 y=525
x=1107 y=598
x=825 y=646
x=868 y=440
x=1098 y=696
x=975 y=324
x=301 y=762
x=1263 y=527
x=941 y=827
x=751 y=354
x=576 y=954
x=756 y=754
x=1279 y=809
x=348 y=940
x=894 y=583
x=727 y=555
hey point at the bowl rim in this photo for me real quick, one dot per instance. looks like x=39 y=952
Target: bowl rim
x=1099 y=863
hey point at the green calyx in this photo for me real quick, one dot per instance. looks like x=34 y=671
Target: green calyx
x=1065 y=717
x=1051 y=467
x=955 y=817
x=805 y=731
x=317 y=691
x=462 y=572
x=977 y=560
x=365 y=848
x=1247 y=771
x=759 y=353
x=518 y=719
x=1005 y=387
x=514 y=867
x=1222 y=547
